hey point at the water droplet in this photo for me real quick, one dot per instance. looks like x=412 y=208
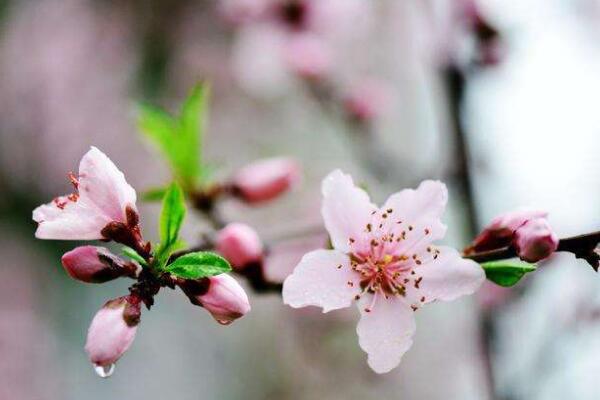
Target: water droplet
x=225 y=321
x=104 y=371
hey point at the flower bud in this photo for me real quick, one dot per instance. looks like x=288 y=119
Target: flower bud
x=94 y=264
x=308 y=57
x=240 y=245
x=535 y=240
x=265 y=179
x=499 y=233
x=221 y=295
x=112 y=330
x=366 y=100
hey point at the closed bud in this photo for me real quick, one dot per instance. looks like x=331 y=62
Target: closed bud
x=265 y=179
x=500 y=232
x=94 y=264
x=221 y=295
x=535 y=240
x=240 y=245
x=112 y=330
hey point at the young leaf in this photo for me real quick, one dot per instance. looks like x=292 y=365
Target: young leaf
x=171 y=219
x=154 y=194
x=131 y=253
x=506 y=272
x=198 y=265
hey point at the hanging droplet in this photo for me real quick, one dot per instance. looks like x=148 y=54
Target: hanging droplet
x=104 y=371
x=225 y=321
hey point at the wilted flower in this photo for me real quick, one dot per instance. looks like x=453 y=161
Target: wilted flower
x=94 y=264
x=266 y=179
x=384 y=259
x=112 y=331
x=240 y=245
x=220 y=295
x=102 y=197
x=535 y=240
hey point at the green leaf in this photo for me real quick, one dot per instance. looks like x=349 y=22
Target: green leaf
x=198 y=265
x=154 y=194
x=171 y=219
x=179 y=137
x=131 y=253
x=506 y=272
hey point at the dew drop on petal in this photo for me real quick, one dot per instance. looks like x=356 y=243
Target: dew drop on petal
x=225 y=321
x=104 y=371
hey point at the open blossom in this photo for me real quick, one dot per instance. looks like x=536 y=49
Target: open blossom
x=102 y=196
x=112 y=330
x=239 y=244
x=266 y=179
x=95 y=264
x=535 y=240
x=384 y=259
x=220 y=295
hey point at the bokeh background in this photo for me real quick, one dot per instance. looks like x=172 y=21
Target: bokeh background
x=498 y=98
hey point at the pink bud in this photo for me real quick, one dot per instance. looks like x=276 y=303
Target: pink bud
x=308 y=57
x=499 y=233
x=366 y=100
x=535 y=240
x=112 y=330
x=95 y=264
x=240 y=245
x=221 y=295
x=266 y=179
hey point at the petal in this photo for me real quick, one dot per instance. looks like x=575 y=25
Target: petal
x=346 y=209
x=323 y=278
x=70 y=221
x=449 y=276
x=103 y=186
x=385 y=333
x=426 y=203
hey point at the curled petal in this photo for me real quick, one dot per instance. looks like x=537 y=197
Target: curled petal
x=346 y=210
x=103 y=185
x=68 y=220
x=385 y=331
x=323 y=278
x=449 y=276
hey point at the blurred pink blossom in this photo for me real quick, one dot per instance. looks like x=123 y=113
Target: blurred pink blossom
x=265 y=179
x=240 y=245
x=367 y=99
x=308 y=56
x=384 y=259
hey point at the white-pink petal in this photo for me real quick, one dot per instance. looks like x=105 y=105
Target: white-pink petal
x=103 y=185
x=103 y=197
x=323 y=278
x=346 y=210
x=385 y=332
x=449 y=276
x=427 y=202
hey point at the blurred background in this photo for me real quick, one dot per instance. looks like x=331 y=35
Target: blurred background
x=498 y=98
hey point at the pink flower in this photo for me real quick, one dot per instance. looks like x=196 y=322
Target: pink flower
x=221 y=295
x=240 y=245
x=308 y=56
x=102 y=196
x=535 y=240
x=499 y=233
x=112 y=331
x=266 y=179
x=384 y=259
x=96 y=265
x=366 y=100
